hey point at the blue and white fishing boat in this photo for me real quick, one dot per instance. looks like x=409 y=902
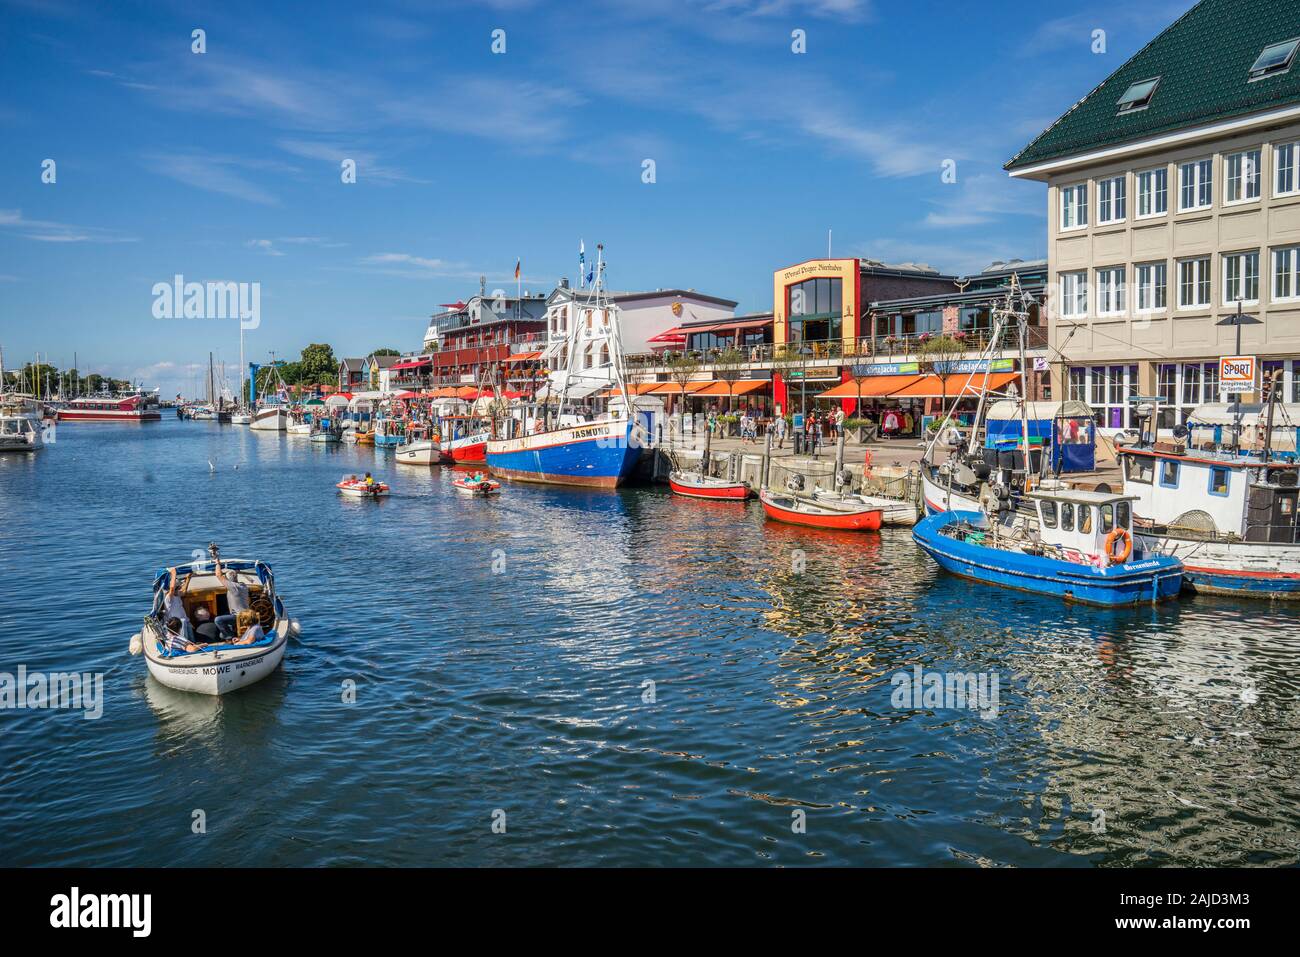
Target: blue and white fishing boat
x=1231 y=514
x=1080 y=549
x=565 y=446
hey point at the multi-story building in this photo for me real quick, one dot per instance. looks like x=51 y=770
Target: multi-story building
x=645 y=320
x=492 y=332
x=1173 y=201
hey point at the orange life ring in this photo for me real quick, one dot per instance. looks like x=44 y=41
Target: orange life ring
x=1121 y=557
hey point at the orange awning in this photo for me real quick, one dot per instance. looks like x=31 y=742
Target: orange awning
x=523 y=357
x=739 y=387
x=932 y=387
x=872 y=387
x=676 y=387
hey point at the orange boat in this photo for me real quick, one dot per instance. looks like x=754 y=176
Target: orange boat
x=695 y=485
x=784 y=507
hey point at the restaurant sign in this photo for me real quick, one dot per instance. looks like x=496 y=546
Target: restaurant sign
x=955 y=367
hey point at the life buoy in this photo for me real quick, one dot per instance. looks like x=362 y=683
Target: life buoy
x=1119 y=534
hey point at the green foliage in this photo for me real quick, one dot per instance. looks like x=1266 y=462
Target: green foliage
x=316 y=365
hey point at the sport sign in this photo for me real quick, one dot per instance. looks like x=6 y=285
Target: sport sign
x=1236 y=374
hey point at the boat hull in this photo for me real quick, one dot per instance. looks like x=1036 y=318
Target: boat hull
x=593 y=455
x=471 y=450
x=108 y=415
x=361 y=490
x=1240 y=569
x=466 y=487
x=270 y=420
x=1147 y=581
x=793 y=511
x=218 y=672
x=424 y=452
x=938 y=498
x=893 y=511
x=715 y=490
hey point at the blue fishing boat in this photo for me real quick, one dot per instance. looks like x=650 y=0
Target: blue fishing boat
x=575 y=446
x=1081 y=548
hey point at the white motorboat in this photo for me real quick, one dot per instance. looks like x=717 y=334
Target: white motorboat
x=20 y=428
x=241 y=418
x=216 y=668
x=893 y=511
x=421 y=452
x=271 y=418
x=355 y=487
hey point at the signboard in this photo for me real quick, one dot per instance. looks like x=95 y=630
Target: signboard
x=1236 y=374
x=956 y=367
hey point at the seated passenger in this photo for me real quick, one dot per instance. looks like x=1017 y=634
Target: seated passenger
x=205 y=629
x=237 y=599
x=250 y=630
x=176 y=641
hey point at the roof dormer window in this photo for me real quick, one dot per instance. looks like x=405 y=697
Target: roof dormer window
x=1275 y=58
x=1138 y=95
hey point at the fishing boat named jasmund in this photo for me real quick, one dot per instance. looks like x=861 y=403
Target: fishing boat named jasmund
x=600 y=451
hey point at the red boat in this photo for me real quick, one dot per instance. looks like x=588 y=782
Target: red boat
x=467 y=450
x=695 y=485
x=784 y=507
x=141 y=407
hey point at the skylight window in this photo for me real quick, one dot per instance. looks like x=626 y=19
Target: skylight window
x=1138 y=95
x=1276 y=58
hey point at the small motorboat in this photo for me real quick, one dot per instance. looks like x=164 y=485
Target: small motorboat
x=360 y=488
x=469 y=485
x=418 y=450
x=697 y=485
x=894 y=511
x=241 y=418
x=362 y=438
x=1080 y=548
x=799 y=510
x=216 y=669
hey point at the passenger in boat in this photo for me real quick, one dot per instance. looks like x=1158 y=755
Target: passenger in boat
x=250 y=629
x=369 y=480
x=176 y=641
x=174 y=605
x=236 y=600
x=205 y=629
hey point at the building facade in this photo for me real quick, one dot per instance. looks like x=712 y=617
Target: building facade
x=1173 y=194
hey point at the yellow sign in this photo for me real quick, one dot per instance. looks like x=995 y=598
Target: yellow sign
x=845 y=270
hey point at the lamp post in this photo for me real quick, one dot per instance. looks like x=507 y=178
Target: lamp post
x=1238 y=319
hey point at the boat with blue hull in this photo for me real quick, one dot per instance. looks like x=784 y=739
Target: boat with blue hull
x=601 y=454
x=1092 y=561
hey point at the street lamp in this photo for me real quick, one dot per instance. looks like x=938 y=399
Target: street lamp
x=1238 y=319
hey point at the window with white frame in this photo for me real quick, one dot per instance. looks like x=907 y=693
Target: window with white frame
x=1241 y=179
x=1110 y=291
x=1196 y=185
x=1107 y=389
x=1153 y=192
x=1241 y=277
x=1074 y=294
x=1285 y=181
x=1151 y=282
x=1286 y=273
x=1074 y=206
x=1111 y=200
x=1193 y=283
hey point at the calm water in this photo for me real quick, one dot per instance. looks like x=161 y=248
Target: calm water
x=501 y=651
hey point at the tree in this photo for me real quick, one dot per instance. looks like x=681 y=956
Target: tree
x=787 y=360
x=385 y=352
x=937 y=355
x=316 y=365
x=728 y=366
x=682 y=369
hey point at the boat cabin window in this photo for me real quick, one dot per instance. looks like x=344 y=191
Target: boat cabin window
x=1218 y=480
x=1169 y=473
x=1067 y=516
x=1048 y=512
x=1140 y=469
x=1123 y=514
x=1107 y=517
x=1085 y=519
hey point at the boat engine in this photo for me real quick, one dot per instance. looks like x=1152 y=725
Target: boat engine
x=794 y=482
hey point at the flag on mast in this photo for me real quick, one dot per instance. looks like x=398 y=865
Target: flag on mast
x=582 y=262
x=518 y=263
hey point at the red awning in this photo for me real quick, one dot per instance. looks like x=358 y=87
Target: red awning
x=411 y=364
x=669 y=337
x=523 y=357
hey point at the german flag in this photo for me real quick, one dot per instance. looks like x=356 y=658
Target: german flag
x=518 y=262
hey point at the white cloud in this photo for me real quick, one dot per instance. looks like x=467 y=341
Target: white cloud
x=46 y=231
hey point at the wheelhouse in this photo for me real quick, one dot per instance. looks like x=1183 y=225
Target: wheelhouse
x=1083 y=525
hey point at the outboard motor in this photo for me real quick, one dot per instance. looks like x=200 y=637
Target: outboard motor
x=843 y=478
x=794 y=482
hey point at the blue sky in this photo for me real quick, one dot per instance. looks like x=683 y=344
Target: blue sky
x=225 y=166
